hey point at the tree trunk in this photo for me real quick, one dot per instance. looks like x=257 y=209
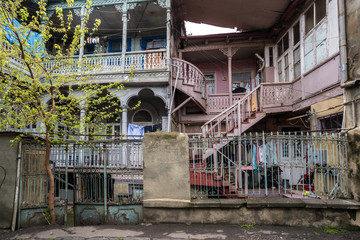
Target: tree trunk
x=51 y=196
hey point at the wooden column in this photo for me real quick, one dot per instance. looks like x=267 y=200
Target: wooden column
x=229 y=52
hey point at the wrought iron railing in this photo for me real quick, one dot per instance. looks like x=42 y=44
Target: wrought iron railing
x=303 y=165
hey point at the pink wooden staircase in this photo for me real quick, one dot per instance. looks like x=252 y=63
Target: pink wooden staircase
x=189 y=80
x=235 y=120
x=232 y=122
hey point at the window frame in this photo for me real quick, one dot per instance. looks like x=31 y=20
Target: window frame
x=128 y=45
x=313 y=32
x=207 y=81
x=252 y=76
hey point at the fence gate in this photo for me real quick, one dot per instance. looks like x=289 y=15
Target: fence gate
x=34 y=186
x=103 y=181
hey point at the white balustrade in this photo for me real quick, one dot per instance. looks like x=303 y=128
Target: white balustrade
x=110 y=62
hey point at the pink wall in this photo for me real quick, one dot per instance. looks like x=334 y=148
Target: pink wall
x=322 y=77
x=221 y=70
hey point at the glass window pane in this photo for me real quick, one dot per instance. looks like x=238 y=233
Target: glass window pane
x=296 y=33
x=280 y=48
x=280 y=71
x=309 y=43
x=320 y=6
x=241 y=80
x=297 y=63
x=309 y=19
x=271 y=54
x=286 y=42
x=116 y=46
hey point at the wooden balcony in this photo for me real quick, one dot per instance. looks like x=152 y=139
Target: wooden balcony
x=109 y=63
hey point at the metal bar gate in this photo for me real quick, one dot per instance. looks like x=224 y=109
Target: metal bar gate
x=103 y=181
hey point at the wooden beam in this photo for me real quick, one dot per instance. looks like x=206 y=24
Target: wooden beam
x=220 y=46
x=182 y=104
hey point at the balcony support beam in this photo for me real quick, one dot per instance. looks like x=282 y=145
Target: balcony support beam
x=82 y=28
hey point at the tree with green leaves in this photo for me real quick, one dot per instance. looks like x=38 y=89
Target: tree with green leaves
x=49 y=89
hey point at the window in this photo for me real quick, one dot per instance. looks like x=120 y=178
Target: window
x=280 y=70
x=115 y=45
x=331 y=122
x=283 y=58
x=154 y=42
x=283 y=45
x=316 y=34
x=297 y=63
x=142 y=116
x=309 y=19
x=296 y=31
x=89 y=48
x=271 y=57
x=296 y=52
x=241 y=82
x=210 y=82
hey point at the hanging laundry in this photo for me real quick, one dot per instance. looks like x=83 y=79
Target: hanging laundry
x=157 y=127
x=135 y=131
x=93 y=40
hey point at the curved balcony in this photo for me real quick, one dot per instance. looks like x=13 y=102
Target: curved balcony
x=190 y=80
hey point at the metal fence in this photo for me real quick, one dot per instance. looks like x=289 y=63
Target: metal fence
x=293 y=165
x=108 y=172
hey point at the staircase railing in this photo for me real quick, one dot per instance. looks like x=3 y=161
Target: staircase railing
x=190 y=75
x=235 y=115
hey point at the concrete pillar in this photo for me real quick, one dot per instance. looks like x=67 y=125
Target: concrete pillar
x=166 y=175
x=124 y=121
x=82 y=120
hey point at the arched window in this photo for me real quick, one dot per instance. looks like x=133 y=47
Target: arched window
x=142 y=116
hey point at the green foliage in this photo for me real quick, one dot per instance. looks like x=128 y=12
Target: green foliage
x=52 y=88
x=247 y=225
x=188 y=224
x=316 y=233
x=334 y=230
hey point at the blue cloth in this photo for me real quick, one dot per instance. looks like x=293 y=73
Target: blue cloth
x=157 y=127
x=135 y=130
x=148 y=129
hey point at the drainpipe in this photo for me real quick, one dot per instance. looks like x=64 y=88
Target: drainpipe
x=342 y=42
x=262 y=61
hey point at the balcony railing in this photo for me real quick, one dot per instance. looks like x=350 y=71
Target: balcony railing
x=112 y=62
x=217 y=103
